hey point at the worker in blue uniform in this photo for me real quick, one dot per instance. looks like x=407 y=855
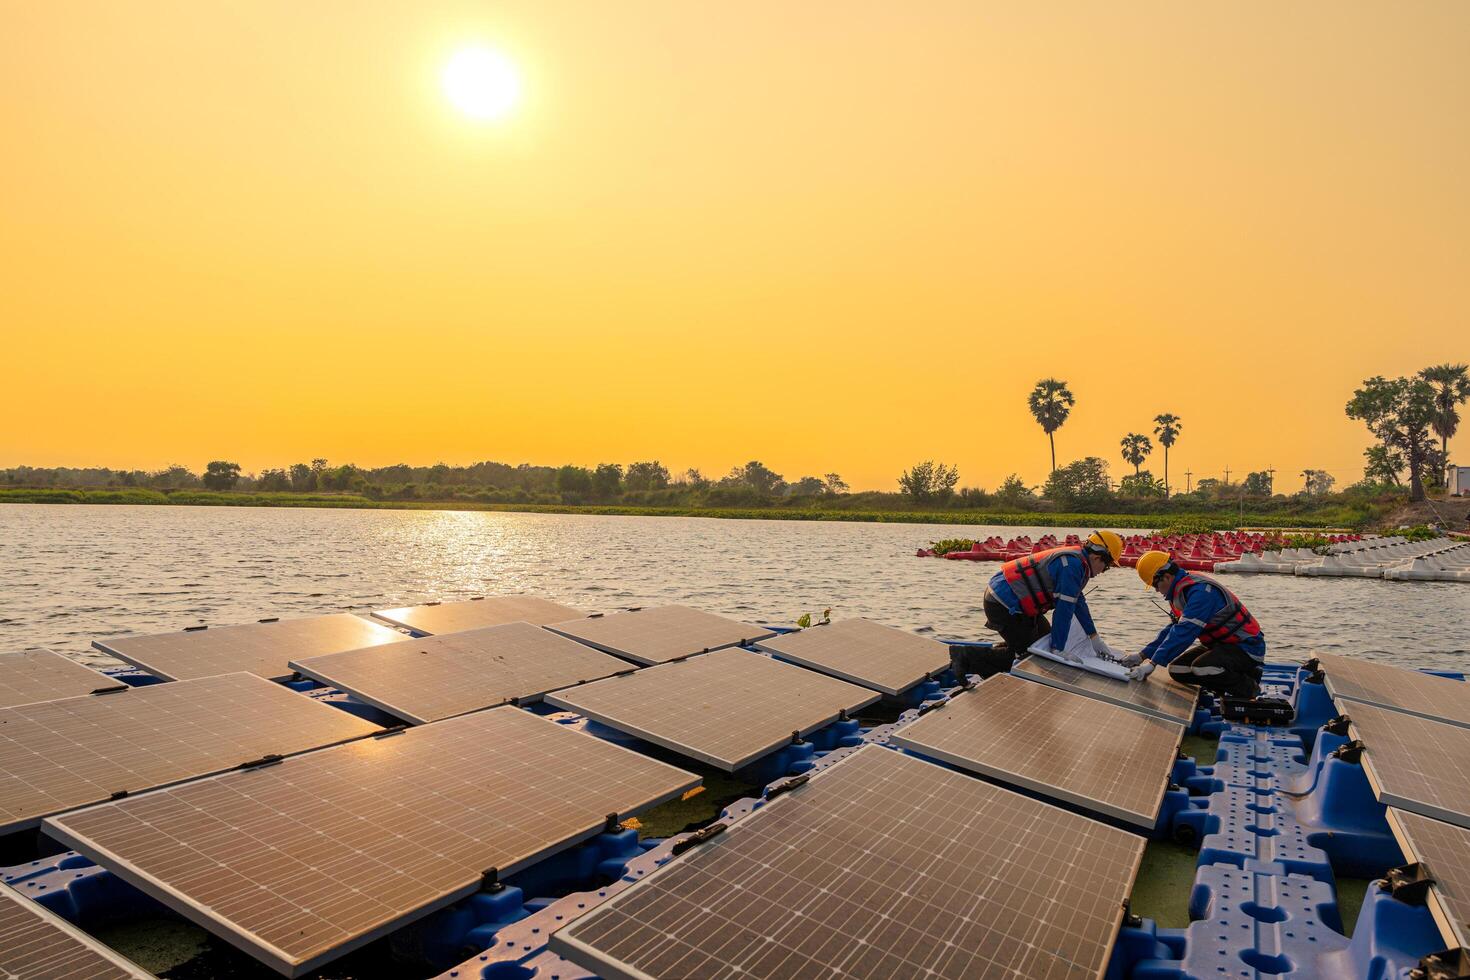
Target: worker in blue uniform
x=1023 y=591
x=1213 y=641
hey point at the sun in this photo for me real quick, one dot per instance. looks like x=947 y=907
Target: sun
x=481 y=83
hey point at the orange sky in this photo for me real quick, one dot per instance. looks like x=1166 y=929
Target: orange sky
x=827 y=235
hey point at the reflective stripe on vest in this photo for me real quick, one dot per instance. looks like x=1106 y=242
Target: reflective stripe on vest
x=1031 y=582
x=1232 y=624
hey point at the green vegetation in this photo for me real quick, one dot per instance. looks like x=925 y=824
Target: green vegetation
x=1051 y=402
x=1404 y=415
x=1419 y=532
x=951 y=544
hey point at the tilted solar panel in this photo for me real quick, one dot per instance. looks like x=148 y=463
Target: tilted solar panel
x=37 y=944
x=660 y=634
x=265 y=648
x=1413 y=763
x=30 y=676
x=1412 y=691
x=59 y=755
x=864 y=652
x=299 y=862
x=468 y=614
x=447 y=674
x=726 y=708
x=1102 y=757
x=881 y=866
x=1156 y=695
x=1445 y=850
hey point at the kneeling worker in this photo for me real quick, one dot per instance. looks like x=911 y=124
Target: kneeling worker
x=1231 y=647
x=1021 y=593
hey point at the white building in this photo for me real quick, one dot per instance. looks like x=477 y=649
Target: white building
x=1459 y=481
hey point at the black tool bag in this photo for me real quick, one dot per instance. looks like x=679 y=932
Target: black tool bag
x=1257 y=711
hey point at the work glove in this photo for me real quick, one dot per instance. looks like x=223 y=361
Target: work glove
x=1132 y=660
x=1142 y=671
x=1066 y=655
x=1099 y=647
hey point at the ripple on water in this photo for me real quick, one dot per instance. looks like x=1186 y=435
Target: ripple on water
x=69 y=574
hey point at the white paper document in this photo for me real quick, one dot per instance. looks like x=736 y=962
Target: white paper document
x=1079 y=653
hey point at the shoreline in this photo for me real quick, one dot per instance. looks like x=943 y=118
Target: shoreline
x=196 y=498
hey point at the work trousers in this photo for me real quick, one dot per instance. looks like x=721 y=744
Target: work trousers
x=1225 y=669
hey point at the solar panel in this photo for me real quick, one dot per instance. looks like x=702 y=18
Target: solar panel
x=468 y=614
x=864 y=652
x=37 y=944
x=59 y=755
x=1098 y=756
x=1156 y=695
x=661 y=634
x=881 y=866
x=1413 y=763
x=29 y=676
x=1445 y=850
x=441 y=676
x=299 y=862
x=265 y=648
x=1413 y=691
x=727 y=708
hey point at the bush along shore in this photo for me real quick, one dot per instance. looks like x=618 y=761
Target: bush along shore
x=1325 y=515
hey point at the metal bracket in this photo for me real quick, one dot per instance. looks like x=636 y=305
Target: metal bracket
x=1447 y=964
x=787 y=785
x=1338 y=725
x=697 y=838
x=1350 y=751
x=398 y=729
x=610 y=825
x=111 y=690
x=1129 y=919
x=262 y=762
x=1409 y=883
x=490 y=881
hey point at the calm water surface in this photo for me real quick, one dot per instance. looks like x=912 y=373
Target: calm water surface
x=69 y=574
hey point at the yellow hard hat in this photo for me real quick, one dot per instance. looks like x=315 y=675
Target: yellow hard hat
x=1150 y=564
x=1106 y=543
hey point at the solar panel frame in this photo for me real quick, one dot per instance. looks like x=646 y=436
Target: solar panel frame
x=200 y=652
x=313 y=776
x=654 y=635
x=1143 y=744
x=433 y=618
x=847 y=649
x=38 y=674
x=57 y=756
x=628 y=703
x=1401 y=689
x=882 y=865
x=1416 y=764
x=38 y=944
x=1157 y=695
x=473 y=669
x=1445 y=849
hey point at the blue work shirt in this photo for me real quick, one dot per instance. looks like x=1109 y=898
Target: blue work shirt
x=1069 y=572
x=1202 y=601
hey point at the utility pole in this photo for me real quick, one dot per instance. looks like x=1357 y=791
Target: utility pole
x=1227 y=476
x=1271 y=481
x=1188 y=482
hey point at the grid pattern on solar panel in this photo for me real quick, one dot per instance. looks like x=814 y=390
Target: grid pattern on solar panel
x=1156 y=695
x=468 y=614
x=59 y=755
x=441 y=676
x=1414 y=764
x=1412 y=691
x=259 y=648
x=1446 y=850
x=882 y=866
x=299 y=862
x=661 y=634
x=726 y=708
x=36 y=944
x=1099 y=756
x=864 y=652
x=29 y=676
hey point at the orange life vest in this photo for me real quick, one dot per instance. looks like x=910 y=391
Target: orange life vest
x=1031 y=582
x=1232 y=624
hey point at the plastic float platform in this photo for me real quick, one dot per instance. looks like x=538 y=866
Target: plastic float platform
x=1196 y=552
x=1277 y=817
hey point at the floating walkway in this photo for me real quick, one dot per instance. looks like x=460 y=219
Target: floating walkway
x=1393 y=558
x=1196 y=552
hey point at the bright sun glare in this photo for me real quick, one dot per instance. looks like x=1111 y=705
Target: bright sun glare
x=481 y=83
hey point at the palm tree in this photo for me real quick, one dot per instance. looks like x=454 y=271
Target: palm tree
x=1136 y=449
x=1451 y=388
x=1167 y=430
x=1051 y=402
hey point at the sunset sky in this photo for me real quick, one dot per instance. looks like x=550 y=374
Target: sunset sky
x=827 y=235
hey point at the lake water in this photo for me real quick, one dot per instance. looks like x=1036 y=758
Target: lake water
x=70 y=574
